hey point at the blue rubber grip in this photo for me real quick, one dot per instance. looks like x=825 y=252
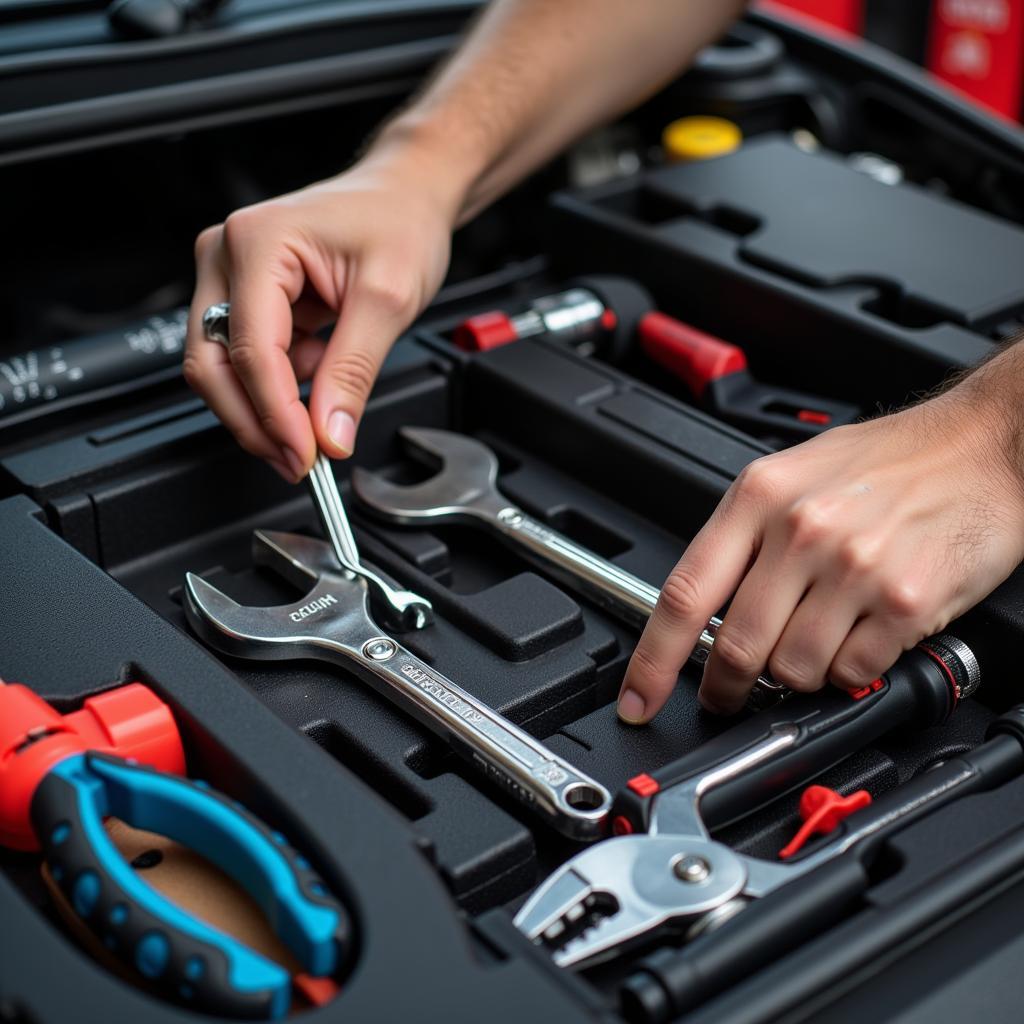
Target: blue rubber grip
x=188 y=960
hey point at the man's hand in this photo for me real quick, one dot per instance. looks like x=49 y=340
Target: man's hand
x=842 y=552
x=369 y=248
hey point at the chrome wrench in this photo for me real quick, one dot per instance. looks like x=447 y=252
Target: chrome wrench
x=465 y=490
x=332 y=623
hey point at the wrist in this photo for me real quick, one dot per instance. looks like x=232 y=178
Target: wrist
x=419 y=152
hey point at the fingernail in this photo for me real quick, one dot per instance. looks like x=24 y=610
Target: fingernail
x=341 y=429
x=631 y=707
x=295 y=464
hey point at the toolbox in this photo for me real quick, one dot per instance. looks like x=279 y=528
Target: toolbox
x=837 y=287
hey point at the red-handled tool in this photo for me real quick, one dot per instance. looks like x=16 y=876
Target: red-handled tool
x=594 y=314
x=606 y=316
x=130 y=722
x=717 y=376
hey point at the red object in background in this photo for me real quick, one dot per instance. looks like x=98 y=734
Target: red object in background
x=847 y=15
x=978 y=47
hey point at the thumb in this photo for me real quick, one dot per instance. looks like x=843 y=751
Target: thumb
x=374 y=312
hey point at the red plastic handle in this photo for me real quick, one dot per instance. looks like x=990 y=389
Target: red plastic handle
x=130 y=721
x=695 y=357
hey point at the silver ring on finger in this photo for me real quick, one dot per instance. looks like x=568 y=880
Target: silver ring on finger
x=215 y=322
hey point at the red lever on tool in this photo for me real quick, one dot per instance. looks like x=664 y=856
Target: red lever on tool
x=129 y=722
x=822 y=810
x=696 y=357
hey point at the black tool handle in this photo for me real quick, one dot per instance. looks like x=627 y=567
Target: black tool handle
x=55 y=372
x=669 y=982
x=920 y=690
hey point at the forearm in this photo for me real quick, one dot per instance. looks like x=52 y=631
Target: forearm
x=533 y=75
x=993 y=392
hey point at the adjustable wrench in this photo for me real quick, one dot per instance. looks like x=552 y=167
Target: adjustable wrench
x=465 y=490
x=332 y=623
x=818 y=891
x=662 y=868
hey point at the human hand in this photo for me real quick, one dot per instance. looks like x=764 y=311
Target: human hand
x=369 y=248
x=841 y=553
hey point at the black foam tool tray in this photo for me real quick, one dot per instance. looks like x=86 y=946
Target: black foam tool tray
x=814 y=218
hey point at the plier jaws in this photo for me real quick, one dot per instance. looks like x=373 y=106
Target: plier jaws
x=616 y=894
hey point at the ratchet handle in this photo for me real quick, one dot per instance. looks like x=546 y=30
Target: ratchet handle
x=189 y=961
x=920 y=690
x=568 y=799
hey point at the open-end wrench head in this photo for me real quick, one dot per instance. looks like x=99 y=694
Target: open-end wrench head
x=330 y=620
x=465 y=482
x=298 y=559
x=304 y=560
x=226 y=625
x=333 y=611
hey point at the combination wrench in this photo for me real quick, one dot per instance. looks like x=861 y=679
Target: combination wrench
x=332 y=623
x=465 y=490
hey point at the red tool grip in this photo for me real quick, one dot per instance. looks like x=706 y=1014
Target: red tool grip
x=484 y=331
x=695 y=357
x=129 y=722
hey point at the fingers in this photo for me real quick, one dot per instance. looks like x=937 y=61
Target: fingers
x=305 y=355
x=252 y=386
x=757 y=617
x=817 y=629
x=207 y=365
x=264 y=278
x=871 y=649
x=697 y=587
x=376 y=309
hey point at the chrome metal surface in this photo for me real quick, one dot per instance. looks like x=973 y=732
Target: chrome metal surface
x=215 y=322
x=968 y=679
x=332 y=623
x=624 y=888
x=465 y=490
x=399 y=609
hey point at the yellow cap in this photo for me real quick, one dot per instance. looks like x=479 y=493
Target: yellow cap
x=700 y=138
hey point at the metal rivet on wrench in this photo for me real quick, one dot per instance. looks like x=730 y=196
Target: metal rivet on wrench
x=465 y=490
x=691 y=869
x=398 y=608
x=380 y=649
